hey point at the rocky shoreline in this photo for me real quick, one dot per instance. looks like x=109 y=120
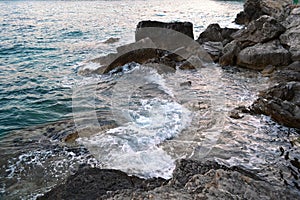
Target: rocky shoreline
x=269 y=42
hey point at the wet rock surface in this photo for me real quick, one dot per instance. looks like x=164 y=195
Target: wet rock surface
x=270 y=43
x=191 y=180
x=282 y=103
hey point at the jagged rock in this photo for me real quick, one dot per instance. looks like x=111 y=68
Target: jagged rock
x=261 y=55
x=289 y=73
x=291 y=37
x=229 y=54
x=214 y=49
x=268 y=70
x=262 y=30
x=191 y=180
x=282 y=103
x=92 y=183
x=253 y=9
x=293 y=19
x=214 y=33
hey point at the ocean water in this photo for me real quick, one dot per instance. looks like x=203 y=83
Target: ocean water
x=138 y=120
x=43 y=42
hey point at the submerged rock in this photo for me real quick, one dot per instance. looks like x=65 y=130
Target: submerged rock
x=261 y=55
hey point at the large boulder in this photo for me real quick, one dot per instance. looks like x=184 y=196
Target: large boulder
x=291 y=38
x=182 y=27
x=169 y=36
x=261 y=55
x=262 y=30
x=282 y=103
x=214 y=33
x=253 y=9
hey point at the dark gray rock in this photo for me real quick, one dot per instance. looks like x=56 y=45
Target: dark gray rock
x=261 y=55
x=229 y=54
x=262 y=30
x=93 y=183
x=289 y=73
x=282 y=103
x=253 y=9
x=214 y=33
x=191 y=180
x=182 y=27
x=214 y=49
x=166 y=36
x=291 y=38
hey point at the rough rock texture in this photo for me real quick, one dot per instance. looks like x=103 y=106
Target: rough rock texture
x=261 y=55
x=143 y=51
x=286 y=74
x=92 y=183
x=229 y=53
x=214 y=49
x=262 y=30
x=291 y=38
x=253 y=9
x=282 y=103
x=214 y=33
x=191 y=180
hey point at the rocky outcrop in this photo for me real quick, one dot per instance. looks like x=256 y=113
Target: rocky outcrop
x=261 y=55
x=282 y=103
x=92 y=183
x=253 y=9
x=143 y=51
x=191 y=180
x=291 y=38
x=262 y=30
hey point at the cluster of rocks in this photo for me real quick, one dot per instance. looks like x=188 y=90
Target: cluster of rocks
x=191 y=180
x=268 y=42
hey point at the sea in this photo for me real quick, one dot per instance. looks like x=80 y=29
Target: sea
x=140 y=121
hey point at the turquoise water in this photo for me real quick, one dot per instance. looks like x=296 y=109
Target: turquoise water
x=43 y=47
x=42 y=43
